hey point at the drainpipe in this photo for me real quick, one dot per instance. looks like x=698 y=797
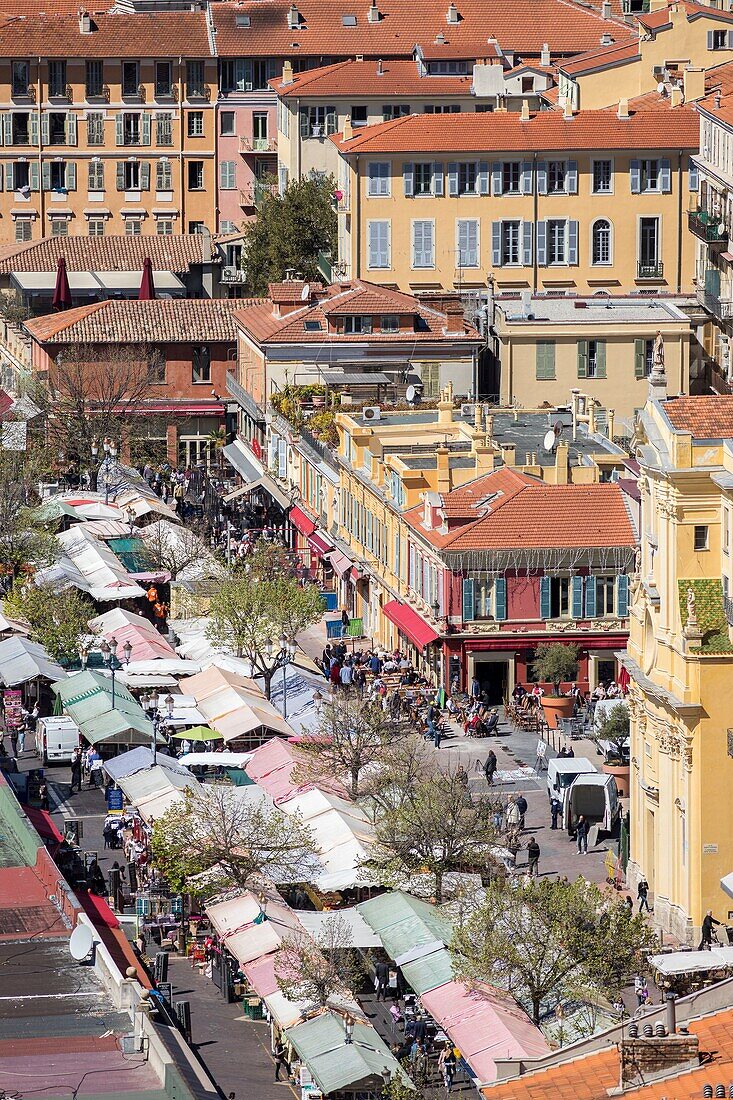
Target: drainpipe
x=534 y=219
x=679 y=223
x=181 y=131
x=39 y=111
x=357 y=218
x=300 y=139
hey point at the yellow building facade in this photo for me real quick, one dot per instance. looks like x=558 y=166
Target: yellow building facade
x=680 y=659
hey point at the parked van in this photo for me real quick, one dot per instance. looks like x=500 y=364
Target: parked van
x=56 y=739
x=596 y=798
x=562 y=772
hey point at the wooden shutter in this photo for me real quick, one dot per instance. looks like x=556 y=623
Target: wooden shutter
x=34 y=127
x=437 y=179
x=542 y=177
x=527 y=228
x=71 y=128
x=45 y=129
x=639 y=358
x=542 y=243
x=693 y=175
x=46 y=176
x=7 y=128
x=453 y=178
x=665 y=175
x=576 y=604
x=526 y=181
x=468 y=600
x=635 y=176
x=145 y=176
x=483 y=178
x=70 y=176
x=496 y=177
x=500 y=598
x=145 y=128
x=572 y=177
x=10 y=176
x=120 y=175
x=119 y=129
x=582 y=358
x=622 y=596
x=496 y=244
x=331 y=120
x=600 y=358
x=590 y=597
x=34 y=176
x=545 y=360
x=572 y=242
x=545 y=598
x=408 y=178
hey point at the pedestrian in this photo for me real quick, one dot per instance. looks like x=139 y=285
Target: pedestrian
x=281 y=1059
x=462 y=776
x=21 y=741
x=447 y=1066
x=75 y=771
x=555 y=811
x=14 y=741
x=581 y=835
x=475 y=688
x=629 y=903
x=43 y=796
x=641 y=990
x=707 y=931
x=642 y=893
x=522 y=807
x=381 y=972
x=533 y=857
x=513 y=816
x=490 y=767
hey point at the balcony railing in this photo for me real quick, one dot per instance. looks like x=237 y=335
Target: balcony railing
x=650 y=269
x=255 y=193
x=707 y=226
x=257 y=145
x=722 y=308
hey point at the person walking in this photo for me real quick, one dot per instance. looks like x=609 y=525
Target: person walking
x=642 y=893
x=281 y=1059
x=447 y=1067
x=522 y=807
x=490 y=767
x=555 y=811
x=75 y=771
x=513 y=816
x=581 y=835
x=533 y=858
x=707 y=931
x=381 y=972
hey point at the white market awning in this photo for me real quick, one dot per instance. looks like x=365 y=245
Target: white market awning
x=130 y=280
x=361 y=933
x=46 y=280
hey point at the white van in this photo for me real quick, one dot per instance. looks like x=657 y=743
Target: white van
x=596 y=798
x=56 y=739
x=562 y=771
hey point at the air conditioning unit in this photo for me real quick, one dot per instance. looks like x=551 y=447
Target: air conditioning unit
x=131 y=1044
x=371 y=412
x=248 y=86
x=468 y=410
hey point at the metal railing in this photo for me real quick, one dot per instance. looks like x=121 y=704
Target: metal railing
x=721 y=308
x=650 y=269
x=233 y=275
x=257 y=145
x=322 y=449
x=707 y=226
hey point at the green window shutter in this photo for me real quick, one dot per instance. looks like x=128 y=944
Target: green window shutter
x=34 y=128
x=46 y=176
x=468 y=600
x=7 y=128
x=71 y=128
x=639 y=358
x=545 y=607
x=600 y=358
x=545 y=360
x=70 y=177
x=577 y=597
x=10 y=176
x=622 y=596
x=590 y=597
x=582 y=358
x=34 y=176
x=45 y=129
x=500 y=598
x=119 y=130
x=120 y=175
x=145 y=128
x=145 y=176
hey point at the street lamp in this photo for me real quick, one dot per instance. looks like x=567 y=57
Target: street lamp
x=349 y=1027
x=110 y=455
x=150 y=706
x=83 y=651
x=108 y=649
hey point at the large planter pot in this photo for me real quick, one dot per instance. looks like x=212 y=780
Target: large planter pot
x=554 y=708
x=622 y=775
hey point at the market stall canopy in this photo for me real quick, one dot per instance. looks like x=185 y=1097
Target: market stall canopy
x=173 y=543
x=403 y=922
x=202 y=733
x=87 y=698
x=143 y=504
x=165 y=666
x=272 y=766
x=137 y=760
x=214 y=759
x=429 y=970
x=250 y=929
x=486 y=1024
x=361 y=934
x=342 y=834
x=98 y=282
x=233 y=705
x=156 y=789
x=13 y=626
x=78 y=507
x=337 y=1064
x=262 y=976
x=147 y=643
x=22 y=660
x=87 y=563
x=682 y=962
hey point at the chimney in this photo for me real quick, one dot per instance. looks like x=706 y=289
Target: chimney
x=675 y=96
x=348 y=131
x=374 y=14
x=380 y=68
x=611 y=414
x=509 y=453
x=287 y=77
x=606 y=9
x=451 y=16
x=85 y=22
x=606 y=39
x=671 y=1000
x=545 y=55
x=478 y=417
x=623 y=109
x=525 y=111
x=443 y=460
x=562 y=463
x=489 y=427
x=694 y=84
x=567 y=110
x=293 y=17
x=445 y=407
x=483 y=460
x=646 y=1058
x=454 y=321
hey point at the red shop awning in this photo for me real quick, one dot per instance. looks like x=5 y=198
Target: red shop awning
x=44 y=825
x=340 y=563
x=301 y=521
x=410 y=623
x=320 y=544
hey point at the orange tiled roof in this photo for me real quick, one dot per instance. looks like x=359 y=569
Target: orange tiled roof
x=114 y=34
x=512 y=510
x=114 y=253
x=655 y=20
x=708 y=417
x=546 y=131
x=520 y=26
x=288 y=291
x=168 y=321
x=620 y=53
x=396 y=78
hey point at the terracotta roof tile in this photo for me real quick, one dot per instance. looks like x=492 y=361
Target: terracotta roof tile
x=291 y=290
x=704 y=417
x=174 y=320
x=114 y=34
x=546 y=131
x=114 y=253
x=397 y=78
x=605 y=58
x=520 y=26
x=662 y=17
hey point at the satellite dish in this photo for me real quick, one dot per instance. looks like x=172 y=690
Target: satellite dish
x=305 y=292
x=549 y=441
x=81 y=943
x=410 y=394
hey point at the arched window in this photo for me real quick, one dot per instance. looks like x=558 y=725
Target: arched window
x=601 y=242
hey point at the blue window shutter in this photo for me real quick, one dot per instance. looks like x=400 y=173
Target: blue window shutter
x=542 y=177
x=622 y=596
x=590 y=597
x=500 y=598
x=453 y=178
x=693 y=175
x=572 y=177
x=437 y=179
x=407 y=178
x=468 y=598
x=665 y=175
x=542 y=243
x=544 y=597
x=572 y=242
x=282 y=458
x=483 y=178
x=496 y=172
x=710 y=38
x=577 y=597
x=526 y=185
x=635 y=175
x=527 y=243
x=496 y=244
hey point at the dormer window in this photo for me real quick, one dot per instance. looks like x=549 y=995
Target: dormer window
x=390 y=322
x=360 y=324
x=313 y=326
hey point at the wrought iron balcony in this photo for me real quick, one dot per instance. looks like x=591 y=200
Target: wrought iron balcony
x=707 y=226
x=254 y=194
x=257 y=145
x=722 y=308
x=650 y=269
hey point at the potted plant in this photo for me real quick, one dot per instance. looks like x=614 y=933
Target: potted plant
x=556 y=663
x=613 y=731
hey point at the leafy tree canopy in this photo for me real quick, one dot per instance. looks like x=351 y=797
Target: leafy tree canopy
x=58 y=620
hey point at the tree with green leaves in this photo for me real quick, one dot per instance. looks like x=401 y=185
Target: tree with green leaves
x=615 y=729
x=317 y=968
x=26 y=543
x=59 y=620
x=547 y=940
x=554 y=663
x=252 y=609
x=290 y=231
x=437 y=829
x=213 y=840
x=354 y=736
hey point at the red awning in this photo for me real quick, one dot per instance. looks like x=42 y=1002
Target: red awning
x=340 y=563
x=301 y=521
x=44 y=825
x=320 y=544
x=410 y=623
x=180 y=408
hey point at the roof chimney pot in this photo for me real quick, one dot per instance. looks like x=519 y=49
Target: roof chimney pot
x=623 y=109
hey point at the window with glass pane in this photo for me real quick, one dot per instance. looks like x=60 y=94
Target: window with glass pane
x=194 y=78
x=556 y=173
x=59 y=227
x=227 y=123
x=23 y=229
x=483 y=597
x=20 y=128
x=96 y=175
x=361 y=323
x=133 y=227
x=20 y=178
x=195 y=123
x=511 y=174
x=95 y=227
x=359 y=115
x=510 y=242
x=131 y=175
x=130 y=78
x=57 y=78
x=163 y=79
x=95 y=128
x=131 y=129
x=602 y=242
x=592 y=366
x=467 y=177
x=21 y=77
x=395 y=110
x=94 y=85
x=58 y=175
x=605 y=595
x=164 y=227
x=559 y=597
x=390 y=322
x=423 y=178
x=201 y=363
x=164 y=129
x=649 y=242
x=195 y=175
x=556 y=241
x=649 y=175
x=601 y=177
